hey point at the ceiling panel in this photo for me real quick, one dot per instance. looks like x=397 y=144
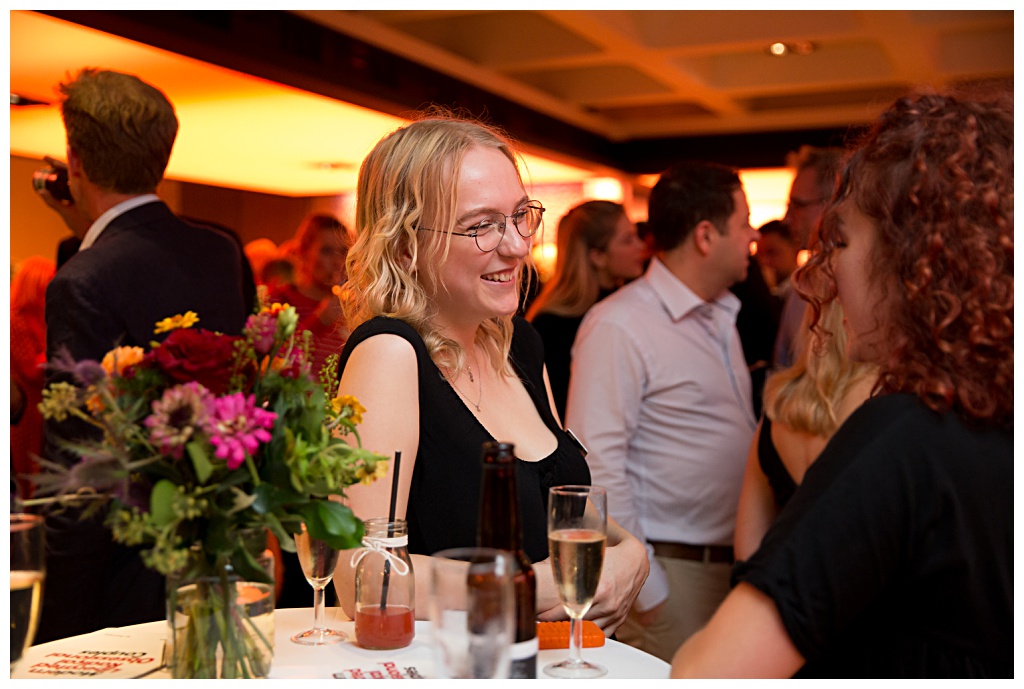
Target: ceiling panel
x=984 y=51
x=831 y=63
x=493 y=38
x=593 y=84
x=713 y=28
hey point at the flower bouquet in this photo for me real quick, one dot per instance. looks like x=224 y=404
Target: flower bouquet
x=200 y=446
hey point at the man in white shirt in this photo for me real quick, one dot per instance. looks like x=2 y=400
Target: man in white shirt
x=661 y=396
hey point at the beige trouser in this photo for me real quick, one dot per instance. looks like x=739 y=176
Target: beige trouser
x=695 y=591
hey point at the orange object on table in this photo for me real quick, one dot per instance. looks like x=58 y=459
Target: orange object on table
x=556 y=635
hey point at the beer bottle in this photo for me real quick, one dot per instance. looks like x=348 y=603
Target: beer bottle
x=499 y=528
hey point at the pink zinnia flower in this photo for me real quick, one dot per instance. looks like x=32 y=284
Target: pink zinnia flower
x=182 y=412
x=238 y=427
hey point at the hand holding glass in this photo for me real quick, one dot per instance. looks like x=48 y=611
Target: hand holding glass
x=472 y=610
x=28 y=571
x=318 y=561
x=577 y=531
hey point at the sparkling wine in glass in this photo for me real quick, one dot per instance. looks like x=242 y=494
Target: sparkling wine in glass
x=28 y=572
x=577 y=532
x=318 y=561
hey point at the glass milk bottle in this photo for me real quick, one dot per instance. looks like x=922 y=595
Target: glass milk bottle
x=385 y=586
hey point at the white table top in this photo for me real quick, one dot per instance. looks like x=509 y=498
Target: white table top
x=294 y=661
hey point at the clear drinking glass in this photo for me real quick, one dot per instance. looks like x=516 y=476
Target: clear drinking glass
x=28 y=572
x=318 y=562
x=472 y=611
x=577 y=531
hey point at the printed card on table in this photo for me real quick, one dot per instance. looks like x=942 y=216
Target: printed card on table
x=106 y=654
x=383 y=670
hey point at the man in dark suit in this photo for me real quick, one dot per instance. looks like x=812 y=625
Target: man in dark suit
x=138 y=263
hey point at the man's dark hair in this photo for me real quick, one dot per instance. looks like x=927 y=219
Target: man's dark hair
x=686 y=194
x=778 y=228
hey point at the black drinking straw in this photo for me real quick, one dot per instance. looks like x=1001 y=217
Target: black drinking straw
x=391 y=532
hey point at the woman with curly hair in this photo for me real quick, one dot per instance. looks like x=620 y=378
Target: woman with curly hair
x=894 y=558
x=442 y=364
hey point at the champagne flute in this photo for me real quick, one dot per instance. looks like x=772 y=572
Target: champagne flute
x=577 y=531
x=28 y=571
x=318 y=561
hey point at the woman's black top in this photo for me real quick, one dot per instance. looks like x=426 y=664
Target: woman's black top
x=775 y=471
x=444 y=499
x=559 y=334
x=894 y=557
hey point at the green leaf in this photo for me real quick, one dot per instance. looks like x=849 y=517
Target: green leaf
x=200 y=460
x=284 y=537
x=268 y=497
x=161 y=503
x=332 y=522
x=247 y=567
x=242 y=500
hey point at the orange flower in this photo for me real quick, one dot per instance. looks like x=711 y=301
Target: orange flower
x=120 y=358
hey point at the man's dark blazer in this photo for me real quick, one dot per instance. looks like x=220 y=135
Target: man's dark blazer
x=145 y=266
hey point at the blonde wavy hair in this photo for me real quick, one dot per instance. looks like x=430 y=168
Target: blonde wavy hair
x=392 y=268
x=805 y=395
x=574 y=287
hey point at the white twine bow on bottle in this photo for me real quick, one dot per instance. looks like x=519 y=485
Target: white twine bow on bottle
x=381 y=545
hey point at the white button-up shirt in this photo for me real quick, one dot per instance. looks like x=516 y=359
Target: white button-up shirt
x=661 y=396
x=100 y=224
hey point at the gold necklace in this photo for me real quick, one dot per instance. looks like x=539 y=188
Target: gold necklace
x=480 y=388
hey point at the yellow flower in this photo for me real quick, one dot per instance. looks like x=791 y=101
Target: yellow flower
x=366 y=478
x=338 y=405
x=174 y=322
x=120 y=358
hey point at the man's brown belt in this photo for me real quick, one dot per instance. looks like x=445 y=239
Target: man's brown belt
x=699 y=553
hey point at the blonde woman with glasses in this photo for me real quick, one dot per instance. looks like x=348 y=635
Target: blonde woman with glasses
x=444 y=229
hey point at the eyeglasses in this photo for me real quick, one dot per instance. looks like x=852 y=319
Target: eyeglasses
x=489 y=232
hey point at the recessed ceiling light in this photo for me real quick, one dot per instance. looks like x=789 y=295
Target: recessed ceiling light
x=779 y=49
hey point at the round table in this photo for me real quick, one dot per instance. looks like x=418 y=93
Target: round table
x=346 y=659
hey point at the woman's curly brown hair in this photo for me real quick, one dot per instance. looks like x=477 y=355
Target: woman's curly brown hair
x=935 y=174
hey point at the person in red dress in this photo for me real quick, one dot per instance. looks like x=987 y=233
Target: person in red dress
x=323 y=243
x=28 y=356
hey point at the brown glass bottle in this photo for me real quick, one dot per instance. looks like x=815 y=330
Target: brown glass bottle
x=499 y=528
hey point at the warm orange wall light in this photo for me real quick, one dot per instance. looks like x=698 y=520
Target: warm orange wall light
x=235 y=130
x=767 y=192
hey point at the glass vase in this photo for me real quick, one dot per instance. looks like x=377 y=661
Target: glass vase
x=222 y=627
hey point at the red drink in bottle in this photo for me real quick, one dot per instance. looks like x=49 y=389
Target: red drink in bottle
x=392 y=627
